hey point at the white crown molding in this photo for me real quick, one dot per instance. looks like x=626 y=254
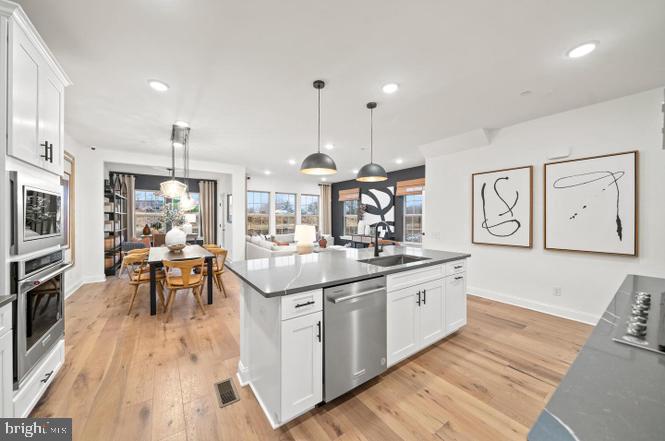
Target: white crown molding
x=15 y=12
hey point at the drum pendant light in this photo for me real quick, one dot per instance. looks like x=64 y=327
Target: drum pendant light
x=173 y=188
x=318 y=163
x=371 y=172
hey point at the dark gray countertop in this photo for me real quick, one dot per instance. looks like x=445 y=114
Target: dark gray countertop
x=7 y=299
x=284 y=275
x=612 y=392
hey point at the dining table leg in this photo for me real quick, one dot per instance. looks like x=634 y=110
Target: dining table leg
x=153 y=289
x=210 y=281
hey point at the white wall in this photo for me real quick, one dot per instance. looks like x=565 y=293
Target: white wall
x=90 y=194
x=297 y=184
x=528 y=277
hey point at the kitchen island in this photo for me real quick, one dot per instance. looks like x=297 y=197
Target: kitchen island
x=282 y=320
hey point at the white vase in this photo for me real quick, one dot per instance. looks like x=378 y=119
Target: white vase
x=174 y=237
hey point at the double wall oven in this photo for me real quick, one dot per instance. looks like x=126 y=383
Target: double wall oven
x=36 y=269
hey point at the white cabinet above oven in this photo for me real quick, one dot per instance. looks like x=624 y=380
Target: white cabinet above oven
x=35 y=93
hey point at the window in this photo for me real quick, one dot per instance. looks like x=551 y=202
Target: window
x=285 y=213
x=309 y=210
x=258 y=212
x=413 y=218
x=350 y=217
x=148 y=207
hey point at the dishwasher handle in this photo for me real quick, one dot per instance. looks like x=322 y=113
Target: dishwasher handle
x=356 y=295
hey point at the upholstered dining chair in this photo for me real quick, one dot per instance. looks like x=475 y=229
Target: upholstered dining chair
x=217 y=266
x=183 y=274
x=139 y=274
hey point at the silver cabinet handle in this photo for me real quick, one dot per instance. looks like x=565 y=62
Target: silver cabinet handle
x=459 y=277
x=355 y=295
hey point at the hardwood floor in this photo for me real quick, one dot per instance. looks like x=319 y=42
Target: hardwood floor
x=135 y=378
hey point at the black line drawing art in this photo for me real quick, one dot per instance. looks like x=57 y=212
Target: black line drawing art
x=583 y=179
x=492 y=228
x=375 y=211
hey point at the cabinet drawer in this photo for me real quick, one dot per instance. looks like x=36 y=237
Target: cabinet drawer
x=454 y=267
x=5 y=318
x=295 y=305
x=410 y=278
x=37 y=382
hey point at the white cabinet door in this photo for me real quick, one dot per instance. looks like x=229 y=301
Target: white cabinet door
x=403 y=333
x=24 y=68
x=455 y=302
x=6 y=376
x=51 y=107
x=302 y=364
x=431 y=312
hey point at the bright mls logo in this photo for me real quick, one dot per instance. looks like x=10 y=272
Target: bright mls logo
x=46 y=429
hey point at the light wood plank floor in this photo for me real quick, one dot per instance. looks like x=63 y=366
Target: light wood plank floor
x=134 y=378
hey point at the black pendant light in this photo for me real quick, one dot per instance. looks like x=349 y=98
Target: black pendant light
x=371 y=172
x=318 y=163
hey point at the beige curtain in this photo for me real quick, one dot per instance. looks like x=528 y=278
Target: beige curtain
x=207 y=194
x=326 y=207
x=130 y=183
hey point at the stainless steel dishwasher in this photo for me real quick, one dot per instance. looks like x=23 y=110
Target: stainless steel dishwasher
x=355 y=335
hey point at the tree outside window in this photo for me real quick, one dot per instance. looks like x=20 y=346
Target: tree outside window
x=350 y=217
x=258 y=212
x=413 y=218
x=309 y=210
x=285 y=213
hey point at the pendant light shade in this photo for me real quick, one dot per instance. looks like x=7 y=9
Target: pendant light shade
x=173 y=188
x=318 y=163
x=371 y=172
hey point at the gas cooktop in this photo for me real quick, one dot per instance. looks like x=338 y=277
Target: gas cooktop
x=642 y=324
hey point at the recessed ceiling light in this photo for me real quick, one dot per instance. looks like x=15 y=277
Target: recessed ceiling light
x=330 y=146
x=324 y=179
x=159 y=86
x=292 y=161
x=354 y=171
x=582 y=49
x=390 y=88
x=399 y=161
x=267 y=172
x=182 y=124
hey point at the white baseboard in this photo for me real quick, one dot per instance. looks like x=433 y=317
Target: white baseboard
x=546 y=308
x=84 y=281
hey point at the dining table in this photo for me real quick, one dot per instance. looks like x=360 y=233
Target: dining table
x=159 y=254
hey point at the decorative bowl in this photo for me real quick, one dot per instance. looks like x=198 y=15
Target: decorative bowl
x=177 y=248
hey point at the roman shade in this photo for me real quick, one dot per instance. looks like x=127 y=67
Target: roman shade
x=412 y=186
x=351 y=194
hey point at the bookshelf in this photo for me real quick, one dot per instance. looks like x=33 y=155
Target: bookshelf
x=115 y=223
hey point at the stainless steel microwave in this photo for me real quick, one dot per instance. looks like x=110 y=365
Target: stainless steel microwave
x=37 y=222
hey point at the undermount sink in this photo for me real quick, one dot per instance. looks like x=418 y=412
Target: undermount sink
x=393 y=260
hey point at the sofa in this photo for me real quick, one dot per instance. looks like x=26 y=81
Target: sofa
x=260 y=246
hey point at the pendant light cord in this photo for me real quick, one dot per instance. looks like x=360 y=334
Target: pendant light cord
x=371 y=136
x=318 y=122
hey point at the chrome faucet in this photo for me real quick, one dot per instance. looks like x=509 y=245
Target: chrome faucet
x=378 y=248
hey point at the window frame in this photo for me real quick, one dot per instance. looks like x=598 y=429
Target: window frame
x=288 y=215
x=247 y=213
x=406 y=215
x=345 y=216
x=318 y=209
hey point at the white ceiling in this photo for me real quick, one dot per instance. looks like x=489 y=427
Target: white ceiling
x=241 y=71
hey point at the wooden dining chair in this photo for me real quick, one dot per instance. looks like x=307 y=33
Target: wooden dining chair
x=135 y=251
x=139 y=274
x=217 y=266
x=183 y=274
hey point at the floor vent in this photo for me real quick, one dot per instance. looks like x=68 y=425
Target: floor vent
x=226 y=392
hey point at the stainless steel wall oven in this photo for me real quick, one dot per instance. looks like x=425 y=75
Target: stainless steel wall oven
x=39 y=320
